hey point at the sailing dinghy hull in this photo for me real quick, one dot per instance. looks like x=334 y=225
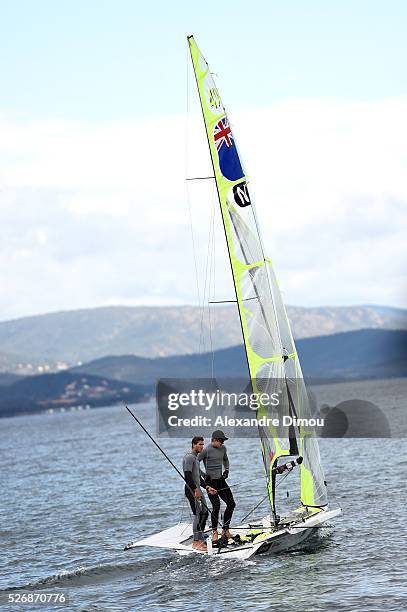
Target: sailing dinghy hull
x=179 y=538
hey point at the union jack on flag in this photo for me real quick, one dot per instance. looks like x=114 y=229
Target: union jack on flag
x=229 y=162
x=222 y=133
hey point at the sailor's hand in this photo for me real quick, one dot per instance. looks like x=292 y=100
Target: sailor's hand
x=197 y=494
x=225 y=474
x=211 y=490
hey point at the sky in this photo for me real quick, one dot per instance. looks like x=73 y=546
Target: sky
x=99 y=128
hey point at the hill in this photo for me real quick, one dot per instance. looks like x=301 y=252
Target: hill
x=85 y=335
x=64 y=390
x=370 y=353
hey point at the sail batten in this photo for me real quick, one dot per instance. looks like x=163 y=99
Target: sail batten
x=270 y=350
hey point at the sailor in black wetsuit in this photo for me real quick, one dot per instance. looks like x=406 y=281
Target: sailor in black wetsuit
x=216 y=463
x=194 y=480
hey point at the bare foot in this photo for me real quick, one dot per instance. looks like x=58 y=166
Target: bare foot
x=215 y=536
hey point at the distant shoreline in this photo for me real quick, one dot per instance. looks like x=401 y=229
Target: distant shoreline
x=148 y=398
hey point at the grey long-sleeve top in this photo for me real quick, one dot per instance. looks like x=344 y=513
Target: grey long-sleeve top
x=192 y=472
x=215 y=460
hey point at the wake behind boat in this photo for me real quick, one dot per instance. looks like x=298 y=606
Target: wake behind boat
x=272 y=360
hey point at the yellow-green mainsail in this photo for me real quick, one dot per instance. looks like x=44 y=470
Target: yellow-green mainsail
x=271 y=355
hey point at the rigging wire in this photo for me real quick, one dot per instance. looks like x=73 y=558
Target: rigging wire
x=211 y=312
x=240 y=484
x=254 y=508
x=262 y=500
x=183 y=508
x=207 y=276
x=187 y=194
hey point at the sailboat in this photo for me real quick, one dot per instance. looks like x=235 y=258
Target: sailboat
x=272 y=359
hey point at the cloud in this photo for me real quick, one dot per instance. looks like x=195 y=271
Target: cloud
x=97 y=213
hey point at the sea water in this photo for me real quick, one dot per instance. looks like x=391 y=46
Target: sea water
x=77 y=486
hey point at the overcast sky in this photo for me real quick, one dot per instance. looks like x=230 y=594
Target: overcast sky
x=99 y=129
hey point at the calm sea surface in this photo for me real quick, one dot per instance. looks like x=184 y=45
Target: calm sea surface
x=77 y=486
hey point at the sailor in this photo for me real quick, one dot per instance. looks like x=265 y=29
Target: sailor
x=194 y=479
x=216 y=463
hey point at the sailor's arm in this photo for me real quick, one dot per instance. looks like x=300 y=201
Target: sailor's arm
x=205 y=482
x=189 y=480
x=188 y=465
x=203 y=478
x=191 y=485
x=202 y=455
x=225 y=464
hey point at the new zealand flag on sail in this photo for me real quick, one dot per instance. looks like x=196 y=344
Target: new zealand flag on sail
x=229 y=161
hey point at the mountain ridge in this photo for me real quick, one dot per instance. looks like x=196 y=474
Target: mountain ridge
x=86 y=334
x=346 y=355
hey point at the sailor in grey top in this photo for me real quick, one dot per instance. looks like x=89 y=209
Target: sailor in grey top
x=190 y=464
x=216 y=461
x=194 y=480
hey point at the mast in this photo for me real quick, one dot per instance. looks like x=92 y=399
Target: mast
x=270 y=351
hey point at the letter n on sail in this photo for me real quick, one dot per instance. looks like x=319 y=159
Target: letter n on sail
x=241 y=194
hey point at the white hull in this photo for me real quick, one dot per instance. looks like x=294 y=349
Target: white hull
x=270 y=541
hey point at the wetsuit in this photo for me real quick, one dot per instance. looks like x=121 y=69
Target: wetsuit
x=194 y=480
x=215 y=459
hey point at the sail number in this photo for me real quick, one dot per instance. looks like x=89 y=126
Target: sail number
x=214 y=98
